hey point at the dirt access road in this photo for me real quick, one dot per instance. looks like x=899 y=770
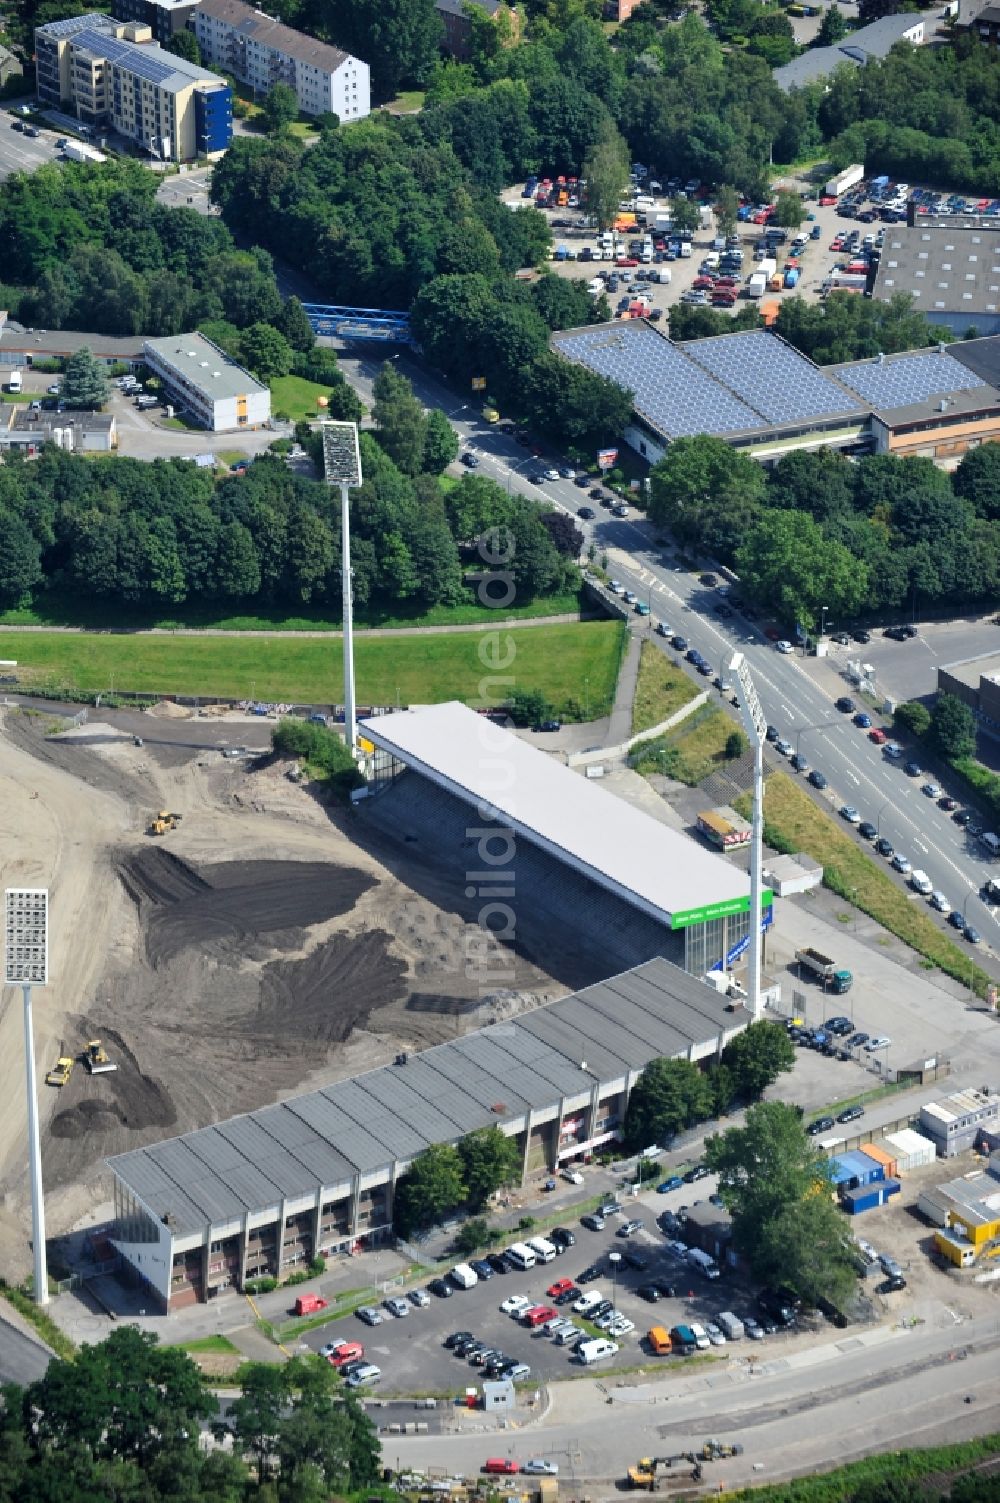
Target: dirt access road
x=255 y=951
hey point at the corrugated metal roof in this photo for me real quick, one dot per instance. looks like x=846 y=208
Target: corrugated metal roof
x=363 y=1125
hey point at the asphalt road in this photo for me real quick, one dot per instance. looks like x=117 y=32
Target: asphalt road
x=21 y=1359
x=21 y=153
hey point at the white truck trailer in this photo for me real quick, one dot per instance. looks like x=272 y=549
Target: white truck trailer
x=844 y=180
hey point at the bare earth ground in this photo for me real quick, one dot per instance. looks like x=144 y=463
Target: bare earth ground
x=255 y=951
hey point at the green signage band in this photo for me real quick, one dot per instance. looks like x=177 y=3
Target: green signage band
x=689 y=916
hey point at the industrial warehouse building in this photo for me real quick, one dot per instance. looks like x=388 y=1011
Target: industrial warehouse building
x=111 y=73
x=955 y=1123
x=207 y=383
x=976 y=683
x=950 y=266
x=265 y=1192
x=967 y=1211
x=762 y=396
x=261 y=52
x=476 y=779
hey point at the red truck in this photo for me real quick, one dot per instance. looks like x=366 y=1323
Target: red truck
x=308 y=1304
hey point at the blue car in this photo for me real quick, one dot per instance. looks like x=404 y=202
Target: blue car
x=956 y=920
x=673 y=1183
x=483 y=1268
x=863 y=720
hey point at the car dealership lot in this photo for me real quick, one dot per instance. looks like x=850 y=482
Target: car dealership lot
x=414 y=1360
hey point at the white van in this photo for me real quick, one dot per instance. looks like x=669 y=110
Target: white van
x=593 y=1351
x=521 y=1256
x=588 y=1302
x=567 y=1335
x=705 y=1265
x=921 y=882
x=544 y=1251
x=730 y=1325
x=464 y=1276
x=595 y=287
x=700 y=1335
x=14 y=381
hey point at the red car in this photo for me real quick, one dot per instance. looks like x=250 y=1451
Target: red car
x=827 y=202
x=879 y=737
x=727 y=282
x=538 y=1315
x=626 y=261
x=501 y=1465
x=724 y=299
x=347 y=1351
x=703 y=282
x=559 y=1287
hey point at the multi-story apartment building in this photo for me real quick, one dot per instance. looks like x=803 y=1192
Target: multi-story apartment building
x=163 y=17
x=207 y=384
x=260 y=52
x=111 y=74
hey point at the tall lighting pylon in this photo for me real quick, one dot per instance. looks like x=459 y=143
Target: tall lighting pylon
x=26 y=964
x=755 y=722
x=342 y=466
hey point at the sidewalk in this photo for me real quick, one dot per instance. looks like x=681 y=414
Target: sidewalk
x=620 y=727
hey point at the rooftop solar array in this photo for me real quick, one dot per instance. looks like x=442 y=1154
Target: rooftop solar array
x=677 y=397
x=74 y=24
x=778 y=382
x=363 y=1125
x=908 y=379
x=143 y=61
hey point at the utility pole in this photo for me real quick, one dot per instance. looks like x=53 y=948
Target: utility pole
x=26 y=964
x=342 y=466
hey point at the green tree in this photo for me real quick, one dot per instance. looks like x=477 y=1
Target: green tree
x=266 y=352
x=20 y=561
x=789 y=209
x=736 y=744
x=953 y=727
x=85 y=384
x=184 y=44
x=256 y=1417
x=293 y=323
x=606 y=170
x=399 y=419
x=399 y=39
x=775 y=1185
x=473 y=1235
x=910 y=715
x=832 y=27
x=440 y=443
x=787 y=561
x=684 y=215
x=670 y=1095
x=528 y=707
x=490 y=1161
x=727 y=203
x=977 y=479
x=280 y=109
x=128 y=1399
x=756 y=1057
x=433 y=1185
x=696 y=473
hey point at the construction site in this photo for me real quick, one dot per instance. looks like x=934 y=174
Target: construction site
x=221 y=937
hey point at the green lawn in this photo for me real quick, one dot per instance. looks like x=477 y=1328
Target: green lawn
x=296 y=396
x=793 y=822
x=55 y=610
x=215 y=1345
x=420 y=669
x=691 y=750
x=662 y=689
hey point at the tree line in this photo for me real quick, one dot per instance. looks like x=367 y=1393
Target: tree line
x=155 y=535
x=880 y=535
x=122 y=1422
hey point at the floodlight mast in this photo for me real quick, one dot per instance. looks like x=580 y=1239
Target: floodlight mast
x=756 y=727
x=26 y=964
x=342 y=466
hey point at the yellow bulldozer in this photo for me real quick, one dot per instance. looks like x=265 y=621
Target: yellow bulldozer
x=644 y=1475
x=60 y=1072
x=97 y=1059
x=163 y=822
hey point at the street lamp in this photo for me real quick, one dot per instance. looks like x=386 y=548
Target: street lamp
x=972 y=957
x=26 y=964
x=342 y=466
x=822 y=618
x=614 y=1259
x=755 y=724
x=878 y=817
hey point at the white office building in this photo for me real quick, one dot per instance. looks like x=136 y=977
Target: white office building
x=260 y=52
x=207 y=384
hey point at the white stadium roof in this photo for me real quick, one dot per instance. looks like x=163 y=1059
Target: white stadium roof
x=666 y=874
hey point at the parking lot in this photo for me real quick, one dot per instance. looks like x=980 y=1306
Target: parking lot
x=413 y=1359
x=21 y=153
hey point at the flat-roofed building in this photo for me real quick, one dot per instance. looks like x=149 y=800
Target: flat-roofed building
x=260 y=52
x=163 y=17
x=110 y=73
x=207 y=383
x=937 y=402
x=954 y=1124
x=976 y=682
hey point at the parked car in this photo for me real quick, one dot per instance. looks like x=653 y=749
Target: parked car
x=884 y=847
x=592 y=1222
x=821 y=1124
x=370 y=1315
x=867 y=830
x=629 y=1228
x=846 y=705
x=673 y=1183
x=850 y=814
x=851 y=1114
x=817 y=778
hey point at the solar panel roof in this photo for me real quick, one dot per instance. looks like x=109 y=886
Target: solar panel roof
x=676 y=396
x=906 y=379
x=778 y=382
x=322 y=1138
x=146 y=61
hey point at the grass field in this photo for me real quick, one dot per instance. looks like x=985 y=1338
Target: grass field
x=662 y=689
x=419 y=669
x=296 y=396
x=219 y=1346
x=792 y=822
x=691 y=750
x=55 y=610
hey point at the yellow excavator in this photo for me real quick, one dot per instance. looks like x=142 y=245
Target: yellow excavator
x=97 y=1059
x=644 y=1474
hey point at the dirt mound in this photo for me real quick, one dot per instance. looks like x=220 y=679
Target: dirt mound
x=167 y=710
x=125 y=1098
x=334 y=990
x=228 y=906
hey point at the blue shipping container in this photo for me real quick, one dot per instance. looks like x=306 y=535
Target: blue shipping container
x=841 y=1173
x=864 y=1170
x=870 y=1196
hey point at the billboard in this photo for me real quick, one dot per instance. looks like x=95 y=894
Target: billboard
x=606 y=458
x=688 y=916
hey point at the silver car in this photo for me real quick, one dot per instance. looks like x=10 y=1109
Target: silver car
x=397 y=1307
